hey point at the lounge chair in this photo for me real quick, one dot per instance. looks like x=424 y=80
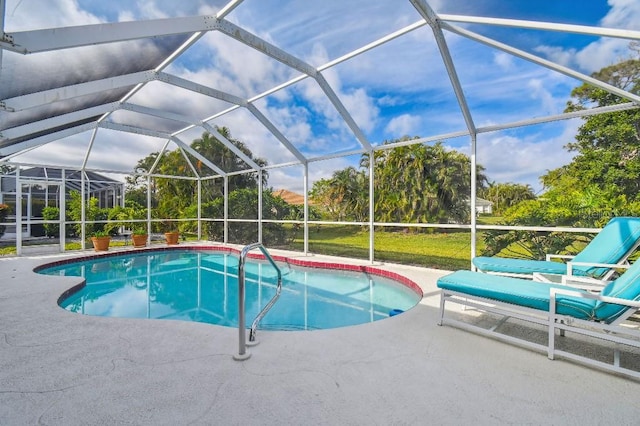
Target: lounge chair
x=609 y=249
x=558 y=307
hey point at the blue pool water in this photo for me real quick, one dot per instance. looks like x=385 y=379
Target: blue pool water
x=202 y=286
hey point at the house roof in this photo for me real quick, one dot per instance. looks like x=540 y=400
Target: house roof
x=483 y=202
x=73 y=178
x=290 y=197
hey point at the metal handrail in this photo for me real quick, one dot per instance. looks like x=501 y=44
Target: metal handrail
x=242 y=344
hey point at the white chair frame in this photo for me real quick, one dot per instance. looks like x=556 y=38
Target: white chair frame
x=614 y=332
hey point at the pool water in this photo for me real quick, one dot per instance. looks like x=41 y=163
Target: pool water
x=202 y=286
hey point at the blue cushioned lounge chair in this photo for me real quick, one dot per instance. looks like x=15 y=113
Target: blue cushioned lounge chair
x=610 y=247
x=558 y=307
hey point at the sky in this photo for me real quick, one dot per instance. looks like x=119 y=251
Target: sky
x=398 y=89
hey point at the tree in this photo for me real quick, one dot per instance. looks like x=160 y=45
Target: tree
x=602 y=180
x=221 y=156
x=423 y=183
x=172 y=197
x=414 y=183
x=6 y=168
x=322 y=193
x=92 y=213
x=505 y=195
x=51 y=213
x=344 y=196
x=243 y=203
x=607 y=145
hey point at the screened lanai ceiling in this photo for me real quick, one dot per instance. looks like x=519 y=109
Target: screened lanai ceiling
x=100 y=85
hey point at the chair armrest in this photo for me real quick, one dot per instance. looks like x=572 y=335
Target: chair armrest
x=574 y=293
x=549 y=257
x=570 y=266
x=585 y=283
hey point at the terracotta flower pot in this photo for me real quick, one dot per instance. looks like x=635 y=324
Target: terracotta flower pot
x=139 y=240
x=101 y=243
x=172 y=237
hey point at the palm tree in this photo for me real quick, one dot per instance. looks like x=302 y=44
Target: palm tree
x=224 y=158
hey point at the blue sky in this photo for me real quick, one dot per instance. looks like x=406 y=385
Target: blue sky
x=400 y=88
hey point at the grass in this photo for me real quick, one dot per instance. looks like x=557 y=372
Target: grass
x=441 y=250
x=7 y=251
x=489 y=220
x=448 y=250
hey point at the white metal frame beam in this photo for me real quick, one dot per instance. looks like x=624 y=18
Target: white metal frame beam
x=540 y=61
x=228 y=8
x=346 y=116
x=261 y=45
x=44 y=97
x=432 y=19
x=235 y=100
x=134 y=129
x=185 y=147
x=16 y=149
x=184 y=119
x=160 y=113
x=284 y=57
x=548 y=26
x=274 y=130
x=199 y=88
x=58 y=120
x=44 y=40
x=227 y=143
x=3 y=6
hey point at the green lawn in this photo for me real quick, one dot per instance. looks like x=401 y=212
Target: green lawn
x=442 y=250
x=449 y=250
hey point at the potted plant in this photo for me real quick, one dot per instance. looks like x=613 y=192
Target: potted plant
x=101 y=240
x=139 y=237
x=172 y=237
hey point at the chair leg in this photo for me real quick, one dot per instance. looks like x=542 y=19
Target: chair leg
x=552 y=337
x=442 y=299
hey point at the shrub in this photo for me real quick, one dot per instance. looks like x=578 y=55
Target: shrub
x=51 y=213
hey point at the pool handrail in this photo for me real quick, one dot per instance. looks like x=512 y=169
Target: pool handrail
x=242 y=344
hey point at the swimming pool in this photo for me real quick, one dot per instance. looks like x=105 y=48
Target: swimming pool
x=202 y=285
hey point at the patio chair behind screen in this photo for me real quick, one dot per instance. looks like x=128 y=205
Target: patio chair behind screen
x=611 y=246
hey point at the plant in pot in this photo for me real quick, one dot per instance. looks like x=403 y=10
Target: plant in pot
x=172 y=237
x=101 y=240
x=139 y=237
x=171 y=233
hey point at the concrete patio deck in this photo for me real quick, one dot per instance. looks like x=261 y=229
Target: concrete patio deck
x=60 y=368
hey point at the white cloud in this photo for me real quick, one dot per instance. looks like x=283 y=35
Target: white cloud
x=503 y=60
x=407 y=70
x=524 y=158
x=362 y=108
x=604 y=51
x=24 y=15
x=403 y=125
x=539 y=91
x=623 y=14
x=557 y=54
x=112 y=150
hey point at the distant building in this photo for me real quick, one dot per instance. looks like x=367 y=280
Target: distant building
x=290 y=197
x=483 y=206
x=42 y=186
